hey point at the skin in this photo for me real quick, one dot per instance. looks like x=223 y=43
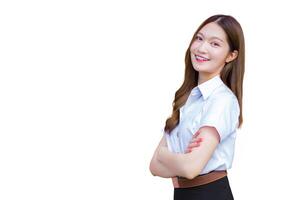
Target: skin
x=195 y=142
x=210 y=43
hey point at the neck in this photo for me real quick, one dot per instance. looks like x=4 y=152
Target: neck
x=203 y=77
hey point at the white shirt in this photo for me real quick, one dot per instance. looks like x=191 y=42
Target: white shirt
x=210 y=103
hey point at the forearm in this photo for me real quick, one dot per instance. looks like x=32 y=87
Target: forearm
x=157 y=168
x=191 y=164
x=174 y=162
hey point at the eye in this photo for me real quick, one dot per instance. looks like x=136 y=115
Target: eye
x=215 y=44
x=198 y=37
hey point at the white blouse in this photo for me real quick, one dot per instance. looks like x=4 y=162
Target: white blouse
x=210 y=103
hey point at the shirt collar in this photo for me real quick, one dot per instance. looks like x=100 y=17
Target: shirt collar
x=207 y=87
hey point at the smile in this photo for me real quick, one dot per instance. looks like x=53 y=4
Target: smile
x=201 y=59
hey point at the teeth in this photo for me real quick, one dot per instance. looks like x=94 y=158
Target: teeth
x=200 y=58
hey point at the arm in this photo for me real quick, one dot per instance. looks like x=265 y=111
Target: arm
x=156 y=167
x=191 y=164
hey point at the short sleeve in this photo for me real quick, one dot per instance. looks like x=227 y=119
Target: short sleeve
x=223 y=114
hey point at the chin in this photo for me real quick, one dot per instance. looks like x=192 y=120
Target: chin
x=202 y=69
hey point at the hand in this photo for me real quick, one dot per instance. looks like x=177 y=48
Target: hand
x=195 y=142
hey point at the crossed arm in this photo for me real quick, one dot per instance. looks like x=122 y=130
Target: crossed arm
x=167 y=164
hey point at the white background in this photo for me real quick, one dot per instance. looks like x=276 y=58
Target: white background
x=86 y=86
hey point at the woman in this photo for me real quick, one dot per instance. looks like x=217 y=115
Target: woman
x=197 y=146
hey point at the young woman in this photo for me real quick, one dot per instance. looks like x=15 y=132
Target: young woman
x=197 y=146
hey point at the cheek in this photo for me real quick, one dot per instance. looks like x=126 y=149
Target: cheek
x=193 y=46
x=220 y=56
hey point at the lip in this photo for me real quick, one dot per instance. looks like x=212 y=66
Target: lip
x=201 y=56
x=200 y=61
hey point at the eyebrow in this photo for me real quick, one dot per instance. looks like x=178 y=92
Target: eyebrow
x=213 y=37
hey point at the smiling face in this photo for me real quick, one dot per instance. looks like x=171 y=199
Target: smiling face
x=210 y=51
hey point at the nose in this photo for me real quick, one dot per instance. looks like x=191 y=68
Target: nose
x=202 y=47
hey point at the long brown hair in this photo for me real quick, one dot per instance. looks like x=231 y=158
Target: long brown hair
x=232 y=73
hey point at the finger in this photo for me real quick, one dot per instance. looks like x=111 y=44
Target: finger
x=188 y=150
x=196 y=134
x=193 y=145
x=191 y=149
x=196 y=140
x=193 y=140
x=199 y=140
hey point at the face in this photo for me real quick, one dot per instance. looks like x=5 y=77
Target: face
x=210 y=51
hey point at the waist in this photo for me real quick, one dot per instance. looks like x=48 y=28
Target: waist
x=181 y=182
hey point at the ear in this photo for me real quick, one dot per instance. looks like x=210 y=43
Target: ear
x=231 y=56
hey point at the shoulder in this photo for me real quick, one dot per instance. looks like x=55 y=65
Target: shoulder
x=221 y=111
x=223 y=96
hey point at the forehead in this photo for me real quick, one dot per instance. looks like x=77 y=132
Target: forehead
x=211 y=30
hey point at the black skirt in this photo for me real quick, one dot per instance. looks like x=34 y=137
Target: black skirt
x=216 y=190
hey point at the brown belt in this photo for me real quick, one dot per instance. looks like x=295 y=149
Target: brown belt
x=181 y=182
